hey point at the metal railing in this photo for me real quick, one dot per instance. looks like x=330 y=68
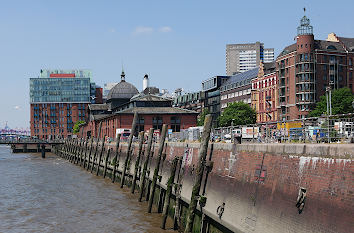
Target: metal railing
x=328 y=129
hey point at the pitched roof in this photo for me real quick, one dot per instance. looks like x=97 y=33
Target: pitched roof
x=326 y=45
x=158 y=110
x=149 y=97
x=288 y=49
x=348 y=43
x=250 y=74
x=94 y=107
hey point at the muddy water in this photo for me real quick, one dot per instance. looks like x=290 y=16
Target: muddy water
x=53 y=195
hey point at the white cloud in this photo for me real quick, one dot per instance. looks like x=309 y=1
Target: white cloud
x=143 y=30
x=113 y=30
x=17 y=107
x=165 y=29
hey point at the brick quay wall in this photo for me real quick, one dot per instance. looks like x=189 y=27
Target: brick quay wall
x=259 y=184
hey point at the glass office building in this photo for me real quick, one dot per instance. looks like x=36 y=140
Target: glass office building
x=58 y=99
x=61 y=86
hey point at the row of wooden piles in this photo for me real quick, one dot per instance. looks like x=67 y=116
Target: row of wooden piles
x=93 y=155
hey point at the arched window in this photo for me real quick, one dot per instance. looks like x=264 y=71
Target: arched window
x=331 y=47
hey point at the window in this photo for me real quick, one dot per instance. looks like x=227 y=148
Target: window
x=175 y=124
x=140 y=124
x=157 y=122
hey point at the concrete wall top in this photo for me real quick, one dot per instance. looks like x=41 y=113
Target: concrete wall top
x=319 y=150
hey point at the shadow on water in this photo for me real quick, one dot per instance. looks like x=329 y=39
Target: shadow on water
x=53 y=195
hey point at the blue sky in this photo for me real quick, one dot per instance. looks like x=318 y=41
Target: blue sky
x=179 y=43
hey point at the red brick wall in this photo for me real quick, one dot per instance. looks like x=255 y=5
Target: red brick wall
x=266 y=202
x=271 y=198
x=109 y=125
x=44 y=130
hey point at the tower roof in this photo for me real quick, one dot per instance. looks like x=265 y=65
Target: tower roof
x=305 y=28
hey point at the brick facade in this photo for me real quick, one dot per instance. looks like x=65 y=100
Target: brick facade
x=56 y=120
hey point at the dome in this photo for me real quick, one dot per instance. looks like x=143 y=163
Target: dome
x=123 y=90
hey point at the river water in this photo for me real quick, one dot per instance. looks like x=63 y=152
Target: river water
x=53 y=195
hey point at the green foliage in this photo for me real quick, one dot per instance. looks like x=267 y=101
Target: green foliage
x=76 y=127
x=200 y=121
x=239 y=113
x=341 y=103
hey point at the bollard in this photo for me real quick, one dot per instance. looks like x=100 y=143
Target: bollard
x=147 y=157
x=105 y=163
x=170 y=183
x=199 y=173
x=116 y=159
x=132 y=132
x=141 y=141
x=157 y=168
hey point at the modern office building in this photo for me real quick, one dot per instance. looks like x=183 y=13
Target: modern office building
x=211 y=88
x=58 y=99
x=191 y=101
x=306 y=68
x=237 y=88
x=265 y=93
x=243 y=57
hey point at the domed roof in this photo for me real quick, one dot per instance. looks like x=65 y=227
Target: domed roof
x=123 y=90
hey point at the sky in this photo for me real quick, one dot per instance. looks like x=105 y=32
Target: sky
x=178 y=43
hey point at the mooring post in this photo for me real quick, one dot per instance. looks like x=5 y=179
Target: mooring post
x=170 y=183
x=84 y=152
x=82 y=147
x=89 y=155
x=116 y=159
x=132 y=132
x=199 y=173
x=105 y=163
x=157 y=168
x=43 y=151
x=209 y=167
x=147 y=157
x=100 y=157
x=178 y=187
x=137 y=161
x=97 y=143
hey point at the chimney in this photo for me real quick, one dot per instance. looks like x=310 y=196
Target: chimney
x=145 y=82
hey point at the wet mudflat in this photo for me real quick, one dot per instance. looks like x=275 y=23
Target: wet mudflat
x=53 y=195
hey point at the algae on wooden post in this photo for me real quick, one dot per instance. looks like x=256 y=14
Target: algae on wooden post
x=147 y=157
x=157 y=168
x=105 y=163
x=170 y=183
x=137 y=161
x=132 y=132
x=116 y=160
x=199 y=173
x=100 y=157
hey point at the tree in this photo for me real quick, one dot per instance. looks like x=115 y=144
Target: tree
x=239 y=113
x=342 y=100
x=76 y=128
x=200 y=121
